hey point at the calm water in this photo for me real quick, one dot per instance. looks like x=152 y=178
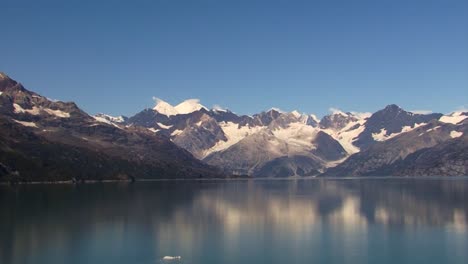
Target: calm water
x=279 y=221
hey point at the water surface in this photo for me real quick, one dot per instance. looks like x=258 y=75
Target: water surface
x=278 y=221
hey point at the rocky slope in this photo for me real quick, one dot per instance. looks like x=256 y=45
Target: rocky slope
x=436 y=148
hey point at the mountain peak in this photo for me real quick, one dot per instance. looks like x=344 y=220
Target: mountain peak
x=7 y=82
x=336 y=111
x=3 y=76
x=275 y=109
x=296 y=114
x=186 y=107
x=393 y=107
x=164 y=107
x=189 y=106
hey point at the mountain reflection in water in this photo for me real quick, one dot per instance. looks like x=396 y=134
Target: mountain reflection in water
x=298 y=221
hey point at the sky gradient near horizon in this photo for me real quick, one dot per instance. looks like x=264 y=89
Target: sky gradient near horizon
x=246 y=55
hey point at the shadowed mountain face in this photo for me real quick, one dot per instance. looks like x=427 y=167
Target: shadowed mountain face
x=45 y=140
x=390 y=120
x=435 y=149
x=447 y=158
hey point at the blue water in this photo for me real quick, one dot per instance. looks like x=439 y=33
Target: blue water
x=278 y=221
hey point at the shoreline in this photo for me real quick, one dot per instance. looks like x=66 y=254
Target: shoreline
x=71 y=182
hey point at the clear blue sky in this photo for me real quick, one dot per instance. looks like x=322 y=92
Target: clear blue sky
x=113 y=57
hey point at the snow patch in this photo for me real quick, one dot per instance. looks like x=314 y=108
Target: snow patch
x=297 y=135
x=153 y=130
x=118 y=119
x=36 y=111
x=381 y=136
x=453 y=118
x=455 y=134
x=176 y=132
x=234 y=133
x=347 y=136
x=105 y=121
x=57 y=113
x=163 y=126
x=405 y=129
x=18 y=109
x=26 y=124
x=432 y=129
x=102 y=120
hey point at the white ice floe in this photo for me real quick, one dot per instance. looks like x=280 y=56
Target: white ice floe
x=171 y=257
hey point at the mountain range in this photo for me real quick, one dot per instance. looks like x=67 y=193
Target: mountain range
x=46 y=140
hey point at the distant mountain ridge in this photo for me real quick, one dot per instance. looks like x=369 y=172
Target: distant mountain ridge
x=190 y=140
x=273 y=141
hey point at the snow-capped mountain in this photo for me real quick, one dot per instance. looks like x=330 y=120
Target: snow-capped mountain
x=276 y=142
x=267 y=144
x=110 y=119
x=435 y=148
x=185 y=107
x=390 y=122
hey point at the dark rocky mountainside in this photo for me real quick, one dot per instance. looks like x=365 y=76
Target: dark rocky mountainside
x=447 y=158
x=433 y=149
x=390 y=120
x=45 y=140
